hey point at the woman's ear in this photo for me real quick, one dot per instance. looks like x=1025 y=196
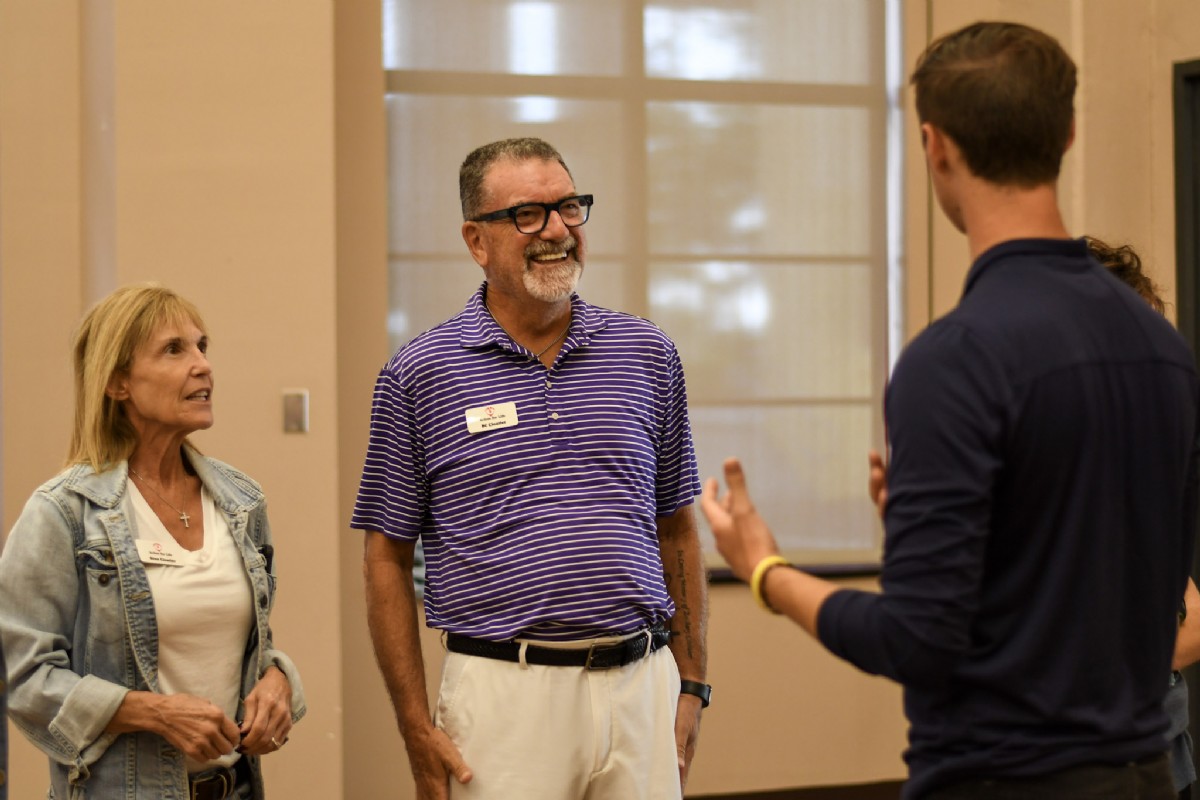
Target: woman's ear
x=118 y=388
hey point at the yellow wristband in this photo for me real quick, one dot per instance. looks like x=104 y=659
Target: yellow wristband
x=760 y=572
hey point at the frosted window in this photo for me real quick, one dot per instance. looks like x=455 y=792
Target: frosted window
x=766 y=180
x=523 y=37
x=801 y=41
x=769 y=332
x=738 y=153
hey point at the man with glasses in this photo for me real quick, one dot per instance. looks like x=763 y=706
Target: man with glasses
x=539 y=447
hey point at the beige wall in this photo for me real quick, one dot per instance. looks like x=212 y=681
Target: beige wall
x=217 y=120
x=235 y=151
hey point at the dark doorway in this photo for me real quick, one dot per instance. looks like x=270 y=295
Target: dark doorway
x=1187 y=198
x=1187 y=264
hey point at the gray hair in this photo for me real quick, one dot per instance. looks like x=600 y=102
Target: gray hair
x=474 y=169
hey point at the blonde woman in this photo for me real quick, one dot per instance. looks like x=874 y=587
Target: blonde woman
x=136 y=585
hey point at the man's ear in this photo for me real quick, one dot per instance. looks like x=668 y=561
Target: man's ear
x=472 y=233
x=933 y=141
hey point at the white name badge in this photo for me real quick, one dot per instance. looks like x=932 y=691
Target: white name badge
x=165 y=555
x=486 y=418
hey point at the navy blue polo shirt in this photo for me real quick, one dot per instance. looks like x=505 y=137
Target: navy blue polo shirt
x=1042 y=495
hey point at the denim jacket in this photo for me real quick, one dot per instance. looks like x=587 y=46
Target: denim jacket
x=78 y=628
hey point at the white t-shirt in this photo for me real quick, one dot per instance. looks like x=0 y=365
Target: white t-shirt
x=204 y=608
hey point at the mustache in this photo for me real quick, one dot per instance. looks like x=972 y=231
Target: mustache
x=541 y=248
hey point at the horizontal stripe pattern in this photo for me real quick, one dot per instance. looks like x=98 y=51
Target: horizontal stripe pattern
x=545 y=529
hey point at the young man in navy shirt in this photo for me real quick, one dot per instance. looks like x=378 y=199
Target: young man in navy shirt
x=1042 y=483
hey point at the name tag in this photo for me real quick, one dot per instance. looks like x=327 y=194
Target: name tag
x=486 y=418
x=164 y=555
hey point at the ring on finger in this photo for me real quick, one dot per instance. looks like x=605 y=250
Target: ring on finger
x=277 y=744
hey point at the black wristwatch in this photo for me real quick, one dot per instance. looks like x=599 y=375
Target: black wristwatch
x=697 y=689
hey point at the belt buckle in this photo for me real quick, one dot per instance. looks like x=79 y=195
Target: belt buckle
x=591 y=653
x=593 y=649
x=226 y=786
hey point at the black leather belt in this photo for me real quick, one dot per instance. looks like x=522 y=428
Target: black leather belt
x=597 y=656
x=218 y=783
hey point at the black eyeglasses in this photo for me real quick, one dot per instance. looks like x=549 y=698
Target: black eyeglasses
x=532 y=217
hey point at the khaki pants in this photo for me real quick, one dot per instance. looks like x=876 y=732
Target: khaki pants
x=562 y=733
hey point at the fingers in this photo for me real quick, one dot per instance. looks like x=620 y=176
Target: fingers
x=268 y=734
x=738 y=501
x=453 y=761
x=682 y=761
x=196 y=727
x=735 y=478
x=251 y=706
x=461 y=772
x=206 y=746
x=710 y=503
x=687 y=733
x=877 y=481
x=230 y=736
x=267 y=721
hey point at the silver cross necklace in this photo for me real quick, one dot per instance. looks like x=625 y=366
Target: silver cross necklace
x=183 y=515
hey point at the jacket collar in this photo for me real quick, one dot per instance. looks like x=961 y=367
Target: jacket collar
x=230 y=491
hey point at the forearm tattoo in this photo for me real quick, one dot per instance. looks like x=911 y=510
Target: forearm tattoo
x=685 y=608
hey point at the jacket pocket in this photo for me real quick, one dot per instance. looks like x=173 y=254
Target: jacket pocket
x=100 y=604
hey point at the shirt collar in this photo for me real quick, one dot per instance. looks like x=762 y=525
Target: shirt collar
x=1068 y=249
x=478 y=329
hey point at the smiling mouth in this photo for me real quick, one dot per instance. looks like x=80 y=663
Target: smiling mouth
x=201 y=395
x=545 y=252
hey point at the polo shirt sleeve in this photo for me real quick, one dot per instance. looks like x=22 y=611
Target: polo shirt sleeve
x=678 y=479
x=946 y=411
x=392 y=497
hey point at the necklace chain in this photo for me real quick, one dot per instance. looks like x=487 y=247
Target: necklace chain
x=545 y=350
x=184 y=517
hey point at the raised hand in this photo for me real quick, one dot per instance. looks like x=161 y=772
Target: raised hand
x=743 y=538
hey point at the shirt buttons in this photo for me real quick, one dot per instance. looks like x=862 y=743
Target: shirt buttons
x=554 y=415
x=548 y=384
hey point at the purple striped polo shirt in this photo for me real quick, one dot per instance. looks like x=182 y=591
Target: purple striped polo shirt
x=545 y=528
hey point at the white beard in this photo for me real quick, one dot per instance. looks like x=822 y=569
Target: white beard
x=552 y=284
